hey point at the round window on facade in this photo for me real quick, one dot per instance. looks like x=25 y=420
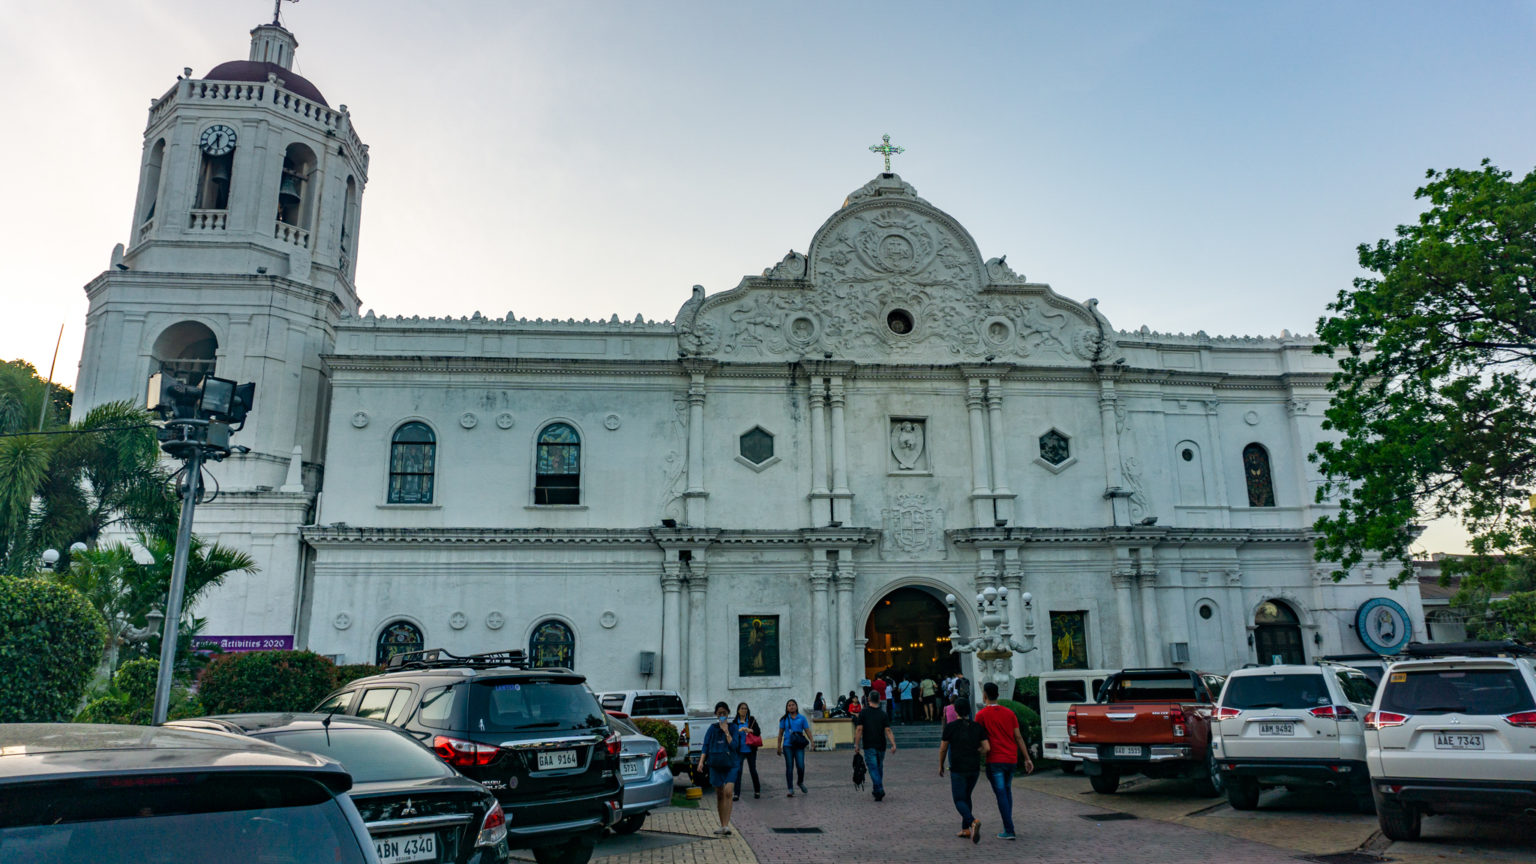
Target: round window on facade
x=1205 y=611
x=900 y=321
x=1188 y=455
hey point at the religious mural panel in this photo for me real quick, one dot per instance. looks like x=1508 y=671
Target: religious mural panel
x=1069 y=640
x=553 y=645
x=758 y=649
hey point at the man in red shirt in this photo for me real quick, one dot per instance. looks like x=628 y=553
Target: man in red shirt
x=1007 y=745
x=879 y=687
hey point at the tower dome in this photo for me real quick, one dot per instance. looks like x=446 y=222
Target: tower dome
x=272 y=48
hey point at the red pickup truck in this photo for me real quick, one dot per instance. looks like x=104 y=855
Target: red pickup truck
x=1155 y=722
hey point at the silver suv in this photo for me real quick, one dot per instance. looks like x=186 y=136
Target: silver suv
x=1453 y=734
x=1292 y=726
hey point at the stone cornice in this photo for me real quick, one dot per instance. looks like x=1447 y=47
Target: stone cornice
x=1122 y=536
x=202 y=281
x=338 y=535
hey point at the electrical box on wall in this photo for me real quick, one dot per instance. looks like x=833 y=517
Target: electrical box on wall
x=1178 y=652
x=647 y=663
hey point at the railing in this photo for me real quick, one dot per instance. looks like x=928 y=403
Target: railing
x=146 y=229
x=208 y=220
x=291 y=234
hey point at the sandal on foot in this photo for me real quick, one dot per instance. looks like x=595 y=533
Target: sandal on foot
x=975 y=830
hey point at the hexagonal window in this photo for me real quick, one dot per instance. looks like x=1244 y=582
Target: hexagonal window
x=757 y=445
x=1054 y=447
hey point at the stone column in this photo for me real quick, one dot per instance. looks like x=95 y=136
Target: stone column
x=841 y=511
x=975 y=401
x=818 y=436
x=695 y=490
x=1127 y=617
x=821 y=649
x=1003 y=500
x=671 y=624
x=846 y=661
x=1013 y=580
x=1239 y=622
x=1151 y=626
x=1120 y=513
x=698 y=640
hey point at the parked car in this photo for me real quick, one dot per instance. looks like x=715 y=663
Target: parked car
x=1453 y=734
x=645 y=772
x=416 y=808
x=72 y=792
x=1059 y=691
x=535 y=737
x=1155 y=722
x=1293 y=726
x=661 y=705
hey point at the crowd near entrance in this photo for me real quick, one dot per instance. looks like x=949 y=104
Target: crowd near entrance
x=908 y=634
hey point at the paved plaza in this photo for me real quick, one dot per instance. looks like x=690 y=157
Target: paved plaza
x=1058 y=819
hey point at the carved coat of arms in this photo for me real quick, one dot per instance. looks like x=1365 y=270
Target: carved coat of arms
x=913 y=529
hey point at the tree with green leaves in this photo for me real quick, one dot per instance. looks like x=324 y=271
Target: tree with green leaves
x=1435 y=399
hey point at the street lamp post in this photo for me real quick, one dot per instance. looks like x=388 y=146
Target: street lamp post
x=994 y=646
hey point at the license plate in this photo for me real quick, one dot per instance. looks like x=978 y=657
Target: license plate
x=1457 y=741
x=1285 y=729
x=632 y=768
x=552 y=759
x=1123 y=750
x=412 y=847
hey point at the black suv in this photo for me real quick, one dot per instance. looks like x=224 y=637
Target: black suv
x=535 y=737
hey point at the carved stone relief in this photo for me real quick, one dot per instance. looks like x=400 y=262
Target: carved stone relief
x=909 y=444
x=912 y=529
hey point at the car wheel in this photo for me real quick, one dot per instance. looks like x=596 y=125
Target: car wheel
x=1069 y=767
x=1209 y=784
x=1105 y=783
x=1398 y=822
x=629 y=824
x=1243 y=793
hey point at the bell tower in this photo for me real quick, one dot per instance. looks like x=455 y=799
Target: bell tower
x=239 y=262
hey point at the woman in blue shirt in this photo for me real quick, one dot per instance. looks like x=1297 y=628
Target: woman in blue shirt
x=794 y=740
x=722 y=753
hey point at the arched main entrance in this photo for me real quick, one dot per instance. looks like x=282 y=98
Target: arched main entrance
x=908 y=633
x=1277 y=634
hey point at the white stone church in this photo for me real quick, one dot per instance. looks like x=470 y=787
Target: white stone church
x=768 y=497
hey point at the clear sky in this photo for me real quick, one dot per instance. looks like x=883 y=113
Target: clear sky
x=1194 y=165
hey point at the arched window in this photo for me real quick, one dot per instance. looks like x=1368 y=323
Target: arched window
x=186 y=351
x=398 y=638
x=151 y=191
x=412 y=463
x=1277 y=634
x=1261 y=485
x=213 y=178
x=349 y=225
x=552 y=645
x=294 y=193
x=557 y=477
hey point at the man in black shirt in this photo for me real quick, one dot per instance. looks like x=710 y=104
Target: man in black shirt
x=965 y=743
x=874 y=734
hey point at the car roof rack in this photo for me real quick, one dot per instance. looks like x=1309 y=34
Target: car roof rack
x=437 y=658
x=1501 y=648
x=1351 y=658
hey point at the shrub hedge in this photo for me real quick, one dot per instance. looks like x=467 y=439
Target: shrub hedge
x=1029 y=725
x=51 y=641
x=352 y=671
x=661 y=730
x=266 y=681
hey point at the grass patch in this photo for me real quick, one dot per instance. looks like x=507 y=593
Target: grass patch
x=681 y=800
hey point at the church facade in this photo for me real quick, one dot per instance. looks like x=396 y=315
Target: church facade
x=770 y=496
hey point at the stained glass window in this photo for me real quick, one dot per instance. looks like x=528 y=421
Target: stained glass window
x=557 y=477
x=397 y=638
x=412 y=461
x=553 y=645
x=1261 y=486
x=757 y=445
x=1054 y=447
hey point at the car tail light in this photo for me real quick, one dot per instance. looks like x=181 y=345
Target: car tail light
x=1227 y=713
x=494 y=829
x=1176 y=717
x=1524 y=719
x=463 y=754
x=614 y=744
x=619 y=714
x=1335 y=712
x=1072 y=723
x=1384 y=720
x=660 y=761
x=682 y=735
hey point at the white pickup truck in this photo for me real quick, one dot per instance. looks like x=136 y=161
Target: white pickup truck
x=662 y=705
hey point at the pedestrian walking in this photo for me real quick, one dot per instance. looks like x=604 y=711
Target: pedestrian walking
x=928 y=691
x=948 y=686
x=1007 y=747
x=794 y=740
x=963 y=688
x=751 y=739
x=722 y=754
x=878 y=686
x=907 y=688
x=874 y=736
x=965 y=744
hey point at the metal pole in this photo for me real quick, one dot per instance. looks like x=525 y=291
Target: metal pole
x=42 y=413
x=172 y=627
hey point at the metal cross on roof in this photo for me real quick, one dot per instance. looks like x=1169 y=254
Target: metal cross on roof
x=887 y=150
x=277 y=11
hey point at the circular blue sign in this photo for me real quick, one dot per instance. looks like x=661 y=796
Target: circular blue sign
x=1383 y=625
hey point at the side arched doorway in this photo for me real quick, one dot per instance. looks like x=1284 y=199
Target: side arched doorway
x=1277 y=634
x=908 y=633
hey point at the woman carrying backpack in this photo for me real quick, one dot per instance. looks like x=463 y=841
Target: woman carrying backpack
x=965 y=743
x=722 y=753
x=794 y=739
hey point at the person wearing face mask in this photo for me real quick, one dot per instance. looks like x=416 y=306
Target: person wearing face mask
x=794 y=740
x=722 y=754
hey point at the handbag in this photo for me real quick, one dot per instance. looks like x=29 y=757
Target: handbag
x=798 y=741
x=754 y=739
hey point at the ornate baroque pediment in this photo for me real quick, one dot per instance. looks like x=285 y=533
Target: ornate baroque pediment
x=892 y=279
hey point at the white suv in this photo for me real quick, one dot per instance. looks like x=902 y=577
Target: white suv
x=1292 y=726
x=1453 y=734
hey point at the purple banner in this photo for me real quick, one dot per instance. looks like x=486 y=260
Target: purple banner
x=232 y=644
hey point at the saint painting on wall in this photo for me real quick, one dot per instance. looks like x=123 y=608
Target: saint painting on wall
x=1069 y=640
x=758 y=645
